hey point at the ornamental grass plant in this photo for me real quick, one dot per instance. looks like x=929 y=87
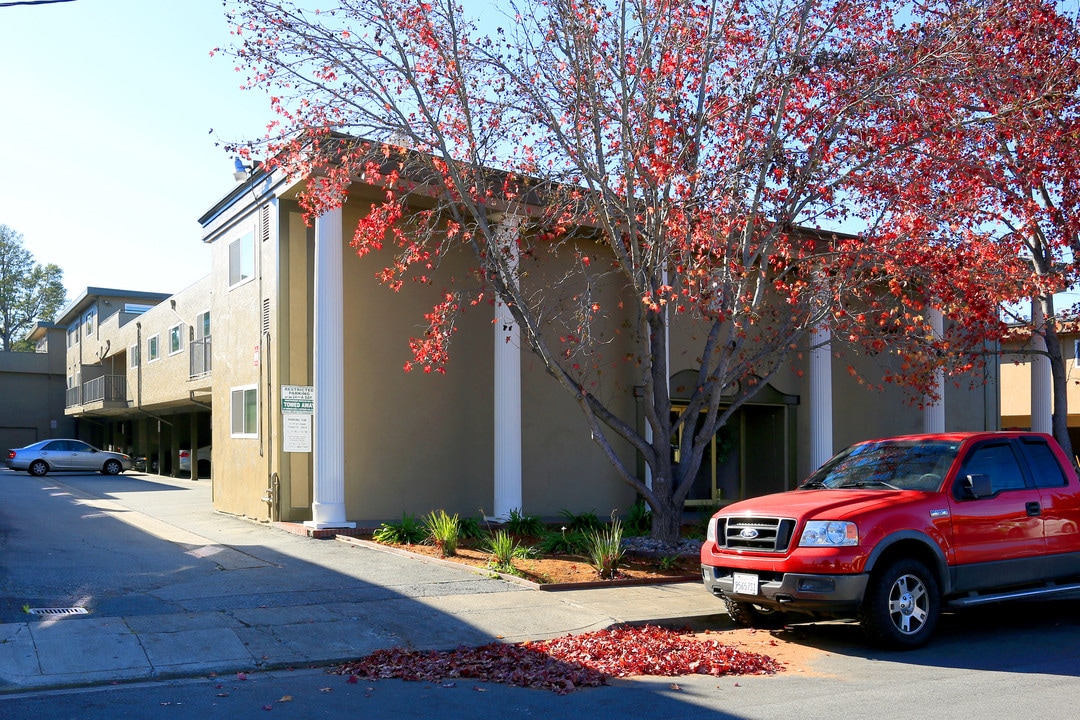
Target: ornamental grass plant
x=443 y=532
x=604 y=549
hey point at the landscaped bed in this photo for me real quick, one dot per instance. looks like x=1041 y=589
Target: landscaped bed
x=584 y=550
x=559 y=570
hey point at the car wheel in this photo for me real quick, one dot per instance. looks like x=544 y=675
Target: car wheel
x=902 y=605
x=112 y=467
x=748 y=615
x=38 y=468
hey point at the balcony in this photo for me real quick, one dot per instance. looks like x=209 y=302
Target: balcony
x=107 y=388
x=101 y=393
x=200 y=357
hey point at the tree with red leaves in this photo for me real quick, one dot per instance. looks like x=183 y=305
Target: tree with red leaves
x=623 y=170
x=1007 y=170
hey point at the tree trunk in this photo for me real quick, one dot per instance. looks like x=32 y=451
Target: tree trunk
x=666 y=521
x=1060 y=383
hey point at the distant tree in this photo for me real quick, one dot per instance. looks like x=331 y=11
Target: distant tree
x=29 y=292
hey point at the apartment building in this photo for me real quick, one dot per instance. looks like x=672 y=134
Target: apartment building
x=138 y=369
x=304 y=314
x=299 y=410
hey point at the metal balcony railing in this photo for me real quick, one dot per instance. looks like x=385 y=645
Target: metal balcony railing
x=200 y=355
x=73 y=397
x=107 y=388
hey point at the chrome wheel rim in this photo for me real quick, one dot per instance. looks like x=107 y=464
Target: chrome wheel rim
x=909 y=604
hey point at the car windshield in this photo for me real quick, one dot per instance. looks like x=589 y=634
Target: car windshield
x=889 y=465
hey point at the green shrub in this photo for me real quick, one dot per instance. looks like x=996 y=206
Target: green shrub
x=518 y=524
x=639 y=519
x=443 y=531
x=562 y=543
x=503 y=548
x=581 y=522
x=409 y=531
x=605 y=550
x=469 y=528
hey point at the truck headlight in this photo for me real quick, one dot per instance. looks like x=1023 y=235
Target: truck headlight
x=710 y=532
x=825 y=533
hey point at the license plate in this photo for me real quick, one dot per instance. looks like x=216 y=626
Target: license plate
x=745 y=584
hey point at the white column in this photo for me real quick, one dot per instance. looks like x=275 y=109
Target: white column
x=821 y=411
x=507 y=390
x=328 y=466
x=1041 y=396
x=934 y=410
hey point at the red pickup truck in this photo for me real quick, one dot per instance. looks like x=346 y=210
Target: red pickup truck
x=890 y=530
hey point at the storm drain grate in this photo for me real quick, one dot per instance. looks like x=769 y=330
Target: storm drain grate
x=58 y=611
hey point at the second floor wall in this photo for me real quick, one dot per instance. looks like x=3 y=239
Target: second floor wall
x=151 y=358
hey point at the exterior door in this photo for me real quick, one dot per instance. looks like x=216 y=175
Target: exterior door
x=1001 y=534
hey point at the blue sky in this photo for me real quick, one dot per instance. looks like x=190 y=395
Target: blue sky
x=111 y=109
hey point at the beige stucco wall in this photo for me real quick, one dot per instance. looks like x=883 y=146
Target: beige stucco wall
x=416 y=442
x=163 y=383
x=242 y=465
x=1016 y=384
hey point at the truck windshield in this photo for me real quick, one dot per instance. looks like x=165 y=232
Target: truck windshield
x=889 y=465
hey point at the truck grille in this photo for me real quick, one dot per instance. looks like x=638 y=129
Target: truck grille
x=755 y=533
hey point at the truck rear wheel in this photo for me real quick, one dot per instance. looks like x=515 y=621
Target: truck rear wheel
x=902 y=605
x=748 y=615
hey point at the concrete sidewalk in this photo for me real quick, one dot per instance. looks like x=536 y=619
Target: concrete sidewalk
x=290 y=601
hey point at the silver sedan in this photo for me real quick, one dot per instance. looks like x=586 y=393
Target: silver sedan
x=66 y=455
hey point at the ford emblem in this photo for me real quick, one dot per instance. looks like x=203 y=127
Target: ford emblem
x=748 y=533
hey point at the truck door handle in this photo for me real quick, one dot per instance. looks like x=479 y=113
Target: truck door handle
x=1033 y=509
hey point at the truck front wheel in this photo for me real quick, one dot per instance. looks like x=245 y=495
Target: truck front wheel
x=902 y=605
x=749 y=615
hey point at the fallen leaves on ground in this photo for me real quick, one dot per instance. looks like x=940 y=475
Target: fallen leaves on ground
x=567 y=663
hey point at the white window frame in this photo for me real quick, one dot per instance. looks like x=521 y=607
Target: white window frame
x=153 y=349
x=241 y=260
x=176 y=335
x=203 y=325
x=242 y=393
x=89 y=321
x=133 y=356
x=73 y=334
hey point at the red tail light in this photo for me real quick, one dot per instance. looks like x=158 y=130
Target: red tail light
x=10 y=454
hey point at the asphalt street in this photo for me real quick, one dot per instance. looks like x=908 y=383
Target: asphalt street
x=193 y=614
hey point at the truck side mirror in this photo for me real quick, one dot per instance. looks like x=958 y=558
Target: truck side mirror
x=976 y=486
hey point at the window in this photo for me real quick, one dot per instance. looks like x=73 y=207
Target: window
x=73 y=335
x=202 y=325
x=1044 y=464
x=245 y=412
x=133 y=356
x=89 y=320
x=998 y=461
x=176 y=339
x=152 y=348
x=241 y=259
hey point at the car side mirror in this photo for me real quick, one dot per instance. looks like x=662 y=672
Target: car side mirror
x=976 y=486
